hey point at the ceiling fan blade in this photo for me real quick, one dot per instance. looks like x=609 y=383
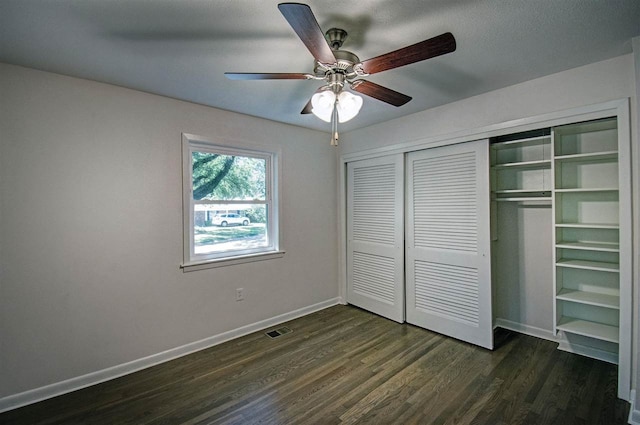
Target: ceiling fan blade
x=381 y=93
x=304 y=23
x=265 y=76
x=436 y=46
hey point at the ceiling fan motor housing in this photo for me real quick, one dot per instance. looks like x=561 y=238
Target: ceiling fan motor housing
x=344 y=65
x=344 y=59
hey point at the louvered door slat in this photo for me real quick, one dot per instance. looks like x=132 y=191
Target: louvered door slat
x=375 y=239
x=454 y=295
x=450 y=179
x=448 y=261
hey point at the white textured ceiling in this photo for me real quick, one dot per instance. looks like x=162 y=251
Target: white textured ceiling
x=181 y=48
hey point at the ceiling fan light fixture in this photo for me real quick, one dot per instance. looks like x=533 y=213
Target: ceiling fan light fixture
x=348 y=106
x=323 y=103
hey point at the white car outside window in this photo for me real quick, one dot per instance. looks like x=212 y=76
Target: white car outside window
x=231 y=218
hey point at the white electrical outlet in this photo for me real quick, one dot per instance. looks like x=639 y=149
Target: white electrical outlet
x=239 y=294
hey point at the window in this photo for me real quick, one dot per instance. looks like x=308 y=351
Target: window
x=230 y=203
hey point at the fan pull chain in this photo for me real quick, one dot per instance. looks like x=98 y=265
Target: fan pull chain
x=334 y=125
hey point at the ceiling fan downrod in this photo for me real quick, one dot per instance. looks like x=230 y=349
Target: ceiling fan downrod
x=335 y=37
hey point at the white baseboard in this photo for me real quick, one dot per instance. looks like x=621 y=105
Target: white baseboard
x=525 y=329
x=93 y=378
x=634 y=415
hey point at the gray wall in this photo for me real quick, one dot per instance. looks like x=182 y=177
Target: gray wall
x=91 y=228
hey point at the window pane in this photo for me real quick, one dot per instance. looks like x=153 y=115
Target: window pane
x=227 y=227
x=227 y=177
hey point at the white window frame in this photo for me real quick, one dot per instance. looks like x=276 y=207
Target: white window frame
x=191 y=261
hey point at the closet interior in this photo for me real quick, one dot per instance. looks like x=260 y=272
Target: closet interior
x=555 y=192
x=521 y=232
x=556 y=231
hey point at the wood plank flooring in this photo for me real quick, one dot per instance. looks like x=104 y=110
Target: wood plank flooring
x=343 y=365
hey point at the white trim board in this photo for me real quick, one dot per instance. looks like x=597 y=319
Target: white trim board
x=634 y=414
x=551 y=119
x=59 y=388
x=525 y=329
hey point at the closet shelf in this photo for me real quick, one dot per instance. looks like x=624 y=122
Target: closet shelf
x=587 y=127
x=590 y=298
x=531 y=141
x=589 y=265
x=586 y=190
x=590 y=246
x=611 y=226
x=591 y=329
x=539 y=164
x=545 y=199
x=595 y=156
x=514 y=191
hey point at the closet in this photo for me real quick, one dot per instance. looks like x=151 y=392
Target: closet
x=528 y=231
x=521 y=232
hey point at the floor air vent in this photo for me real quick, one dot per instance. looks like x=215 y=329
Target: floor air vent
x=277 y=332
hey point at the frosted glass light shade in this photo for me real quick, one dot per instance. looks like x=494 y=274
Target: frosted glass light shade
x=322 y=104
x=348 y=106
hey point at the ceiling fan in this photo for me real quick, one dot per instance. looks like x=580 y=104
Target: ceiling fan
x=339 y=67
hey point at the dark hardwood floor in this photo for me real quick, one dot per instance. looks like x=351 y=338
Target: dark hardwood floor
x=343 y=365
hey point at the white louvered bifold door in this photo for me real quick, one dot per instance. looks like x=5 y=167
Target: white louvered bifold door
x=448 y=241
x=375 y=236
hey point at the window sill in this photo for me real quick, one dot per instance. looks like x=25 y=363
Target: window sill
x=223 y=262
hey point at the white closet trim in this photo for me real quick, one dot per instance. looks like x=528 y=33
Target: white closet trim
x=552 y=119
